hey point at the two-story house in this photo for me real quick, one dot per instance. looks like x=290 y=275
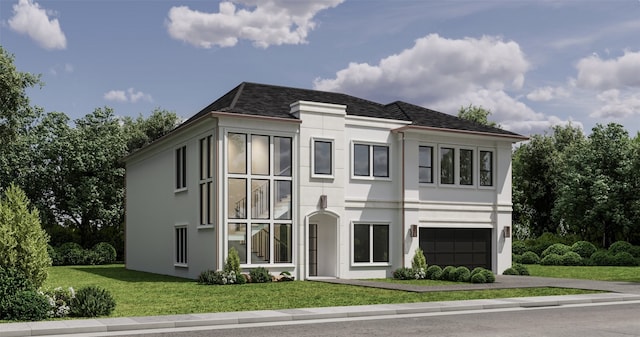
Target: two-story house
x=319 y=184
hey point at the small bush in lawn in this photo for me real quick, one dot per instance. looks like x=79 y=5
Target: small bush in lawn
x=488 y=275
x=27 y=305
x=403 y=273
x=556 y=248
x=516 y=258
x=233 y=262
x=620 y=247
x=461 y=274
x=59 y=301
x=571 y=259
x=518 y=247
x=584 y=248
x=602 y=258
x=478 y=278
x=92 y=301
x=434 y=272
x=12 y=281
x=419 y=262
x=208 y=277
x=106 y=253
x=91 y=257
x=529 y=258
x=446 y=273
x=509 y=271
x=521 y=269
x=624 y=259
x=260 y=275
x=551 y=260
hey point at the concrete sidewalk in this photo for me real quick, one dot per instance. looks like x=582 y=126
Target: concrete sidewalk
x=621 y=291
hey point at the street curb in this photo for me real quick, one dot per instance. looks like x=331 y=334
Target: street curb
x=67 y=327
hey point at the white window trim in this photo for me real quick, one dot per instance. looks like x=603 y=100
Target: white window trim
x=175 y=241
x=184 y=188
x=435 y=160
x=352 y=248
x=475 y=173
x=475 y=170
x=371 y=145
x=313 y=161
x=248 y=176
x=493 y=168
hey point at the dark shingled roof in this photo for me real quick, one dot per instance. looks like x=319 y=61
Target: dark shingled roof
x=274 y=101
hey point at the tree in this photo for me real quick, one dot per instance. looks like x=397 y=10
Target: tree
x=23 y=242
x=477 y=114
x=142 y=131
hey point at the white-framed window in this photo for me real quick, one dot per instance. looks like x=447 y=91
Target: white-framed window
x=180 y=245
x=486 y=165
x=322 y=160
x=181 y=168
x=370 y=243
x=259 y=197
x=447 y=165
x=466 y=168
x=457 y=165
x=425 y=164
x=370 y=160
x=206 y=181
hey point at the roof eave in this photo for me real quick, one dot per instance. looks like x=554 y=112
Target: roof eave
x=514 y=137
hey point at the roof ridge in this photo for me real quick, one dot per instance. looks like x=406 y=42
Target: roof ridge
x=237 y=95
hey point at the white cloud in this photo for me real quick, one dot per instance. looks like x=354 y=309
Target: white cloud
x=617 y=105
x=66 y=68
x=130 y=95
x=547 y=93
x=596 y=73
x=445 y=74
x=30 y=19
x=264 y=22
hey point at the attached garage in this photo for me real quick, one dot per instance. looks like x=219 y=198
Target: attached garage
x=469 y=247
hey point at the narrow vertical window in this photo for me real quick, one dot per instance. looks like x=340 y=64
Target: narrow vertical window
x=181 y=167
x=466 y=167
x=260 y=155
x=447 y=165
x=237 y=202
x=425 y=166
x=380 y=161
x=237 y=233
x=181 y=245
x=282 y=156
x=361 y=160
x=282 y=243
x=322 y=157
x=237 y=153
x=486 y=168
x=207 y=196
x=361 y=243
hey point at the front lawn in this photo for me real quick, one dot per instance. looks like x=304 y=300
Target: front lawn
x=600 y=273
x=143 y=294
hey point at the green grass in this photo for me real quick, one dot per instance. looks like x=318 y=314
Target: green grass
x=418 y=282
x=600 y=273
x=142 y=294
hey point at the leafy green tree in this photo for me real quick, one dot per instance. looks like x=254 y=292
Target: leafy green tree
x=23 y=242
x=477 y=114
x=142 y=131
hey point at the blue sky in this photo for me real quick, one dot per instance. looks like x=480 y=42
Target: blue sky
x=534 y=64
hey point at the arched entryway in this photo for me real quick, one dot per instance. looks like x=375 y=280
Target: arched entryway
x=322 y=244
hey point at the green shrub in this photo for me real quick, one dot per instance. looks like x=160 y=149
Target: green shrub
x=232 y=264
x=56 y=258
x=571 y=259
x=529 y=258
x=518 y=247
x=105 y=252
x=59 y=301
x=260 y=275
x=488 y=275
x=509 y=271
x=478 y=278
x=620 y=247
x=545 y=240
x=602 y=258
x=516 y=258
x=12 y=281
x=419 y=261
x=556 y=248
x=92 y=301
x=434 y=272
x=23 y=241
x=635 y=251
x=461 y=274
x=91 y=257
x=446 y=273
x=551 y=260
x=27 y=305
x=584 y=248
x=624 y=259
x=521 y=269
x=208 y=277
x=403 y=273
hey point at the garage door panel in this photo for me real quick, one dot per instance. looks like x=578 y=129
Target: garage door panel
x=468 y=247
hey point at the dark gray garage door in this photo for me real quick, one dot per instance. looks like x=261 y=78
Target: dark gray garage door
x=456 y=247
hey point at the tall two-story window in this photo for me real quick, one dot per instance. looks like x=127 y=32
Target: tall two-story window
x=466 y=167
x=259 y=197
x=206 y=181
x=181 y=167
x=370 y=160
x=486 y=168
x=425 y=166
x=447 y=165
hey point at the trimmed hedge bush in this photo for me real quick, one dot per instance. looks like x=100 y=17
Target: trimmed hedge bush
x=12 y=281
x=510 y=271
x=26 y=305
x=518 y=247
x=529 y=258
x=487 y=274
x=584 y=248
x=602 y=258
x=92 y=301
x=521 y=269
x=403 y=273
x=571 y=259
x=624 y=259
x=106 y=253
x=556 y=248
x=478 y=278
x=551 y=260
x=620 y=247
x=260 y=275
x=434 y=272
x=461 y=274
x=447 y=273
